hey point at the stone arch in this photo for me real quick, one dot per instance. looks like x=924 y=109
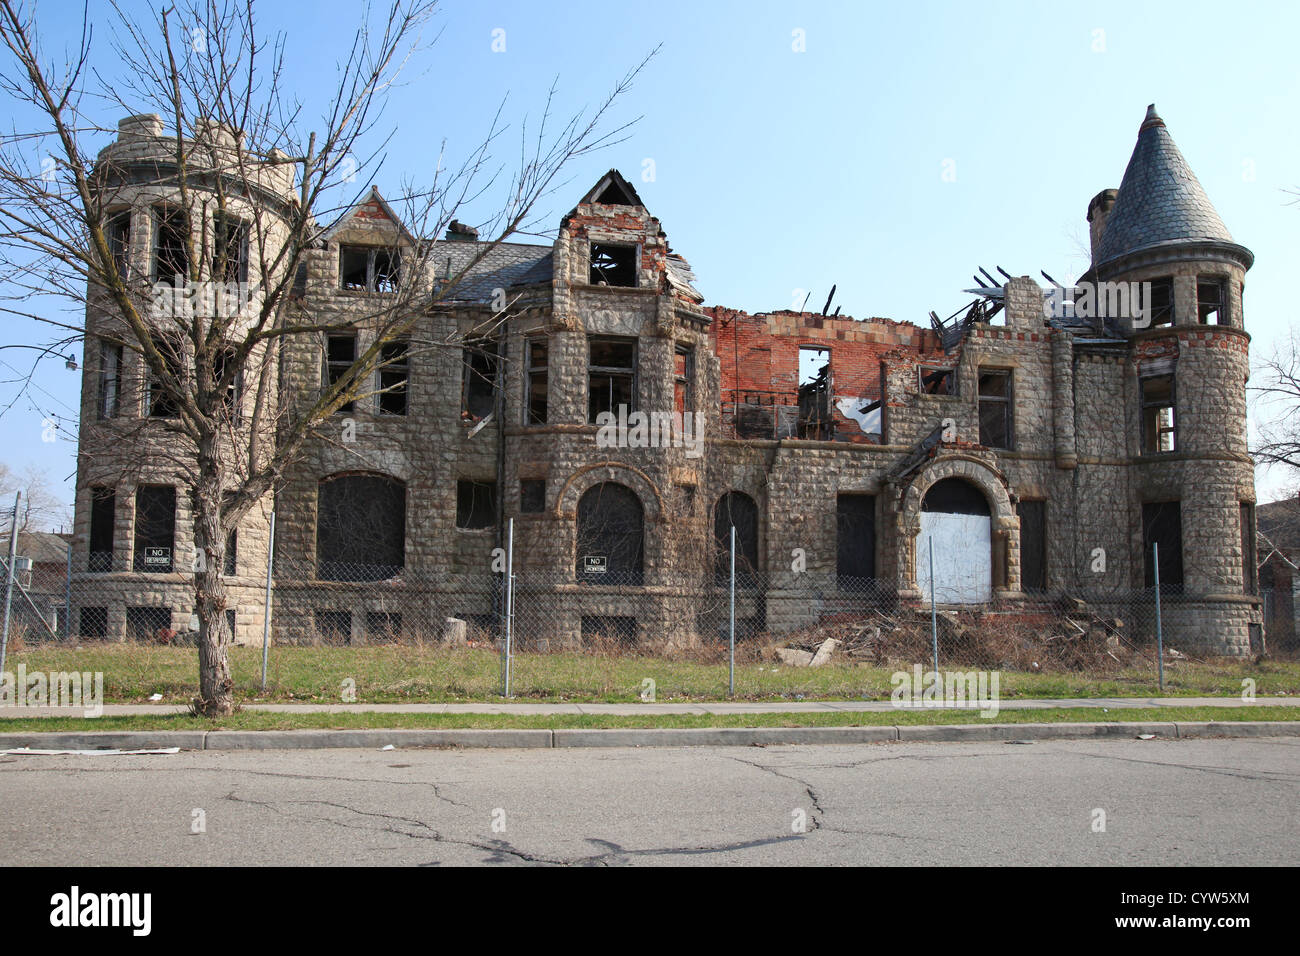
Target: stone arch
x=1005 y=522
x=566 y=503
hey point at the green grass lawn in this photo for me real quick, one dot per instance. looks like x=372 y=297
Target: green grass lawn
x=253 y=720
x=400 y=674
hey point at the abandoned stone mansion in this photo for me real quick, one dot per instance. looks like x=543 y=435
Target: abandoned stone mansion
x=1037 y=444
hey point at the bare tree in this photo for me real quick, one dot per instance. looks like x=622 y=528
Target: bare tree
x=251 y=185
x=40 y=508
x=1277 y=396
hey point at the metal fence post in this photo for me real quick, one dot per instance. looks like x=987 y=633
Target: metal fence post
x=266 y=608
x=67 y=599
x=1160 y=638
x=731 y=641
x=934 y=614
x=510 y=601
x=9 y=581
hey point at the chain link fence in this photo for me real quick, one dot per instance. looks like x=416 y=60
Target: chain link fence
x=585 y=634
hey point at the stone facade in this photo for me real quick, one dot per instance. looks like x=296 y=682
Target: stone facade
x=1024 y=409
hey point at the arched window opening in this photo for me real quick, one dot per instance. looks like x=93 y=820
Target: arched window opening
x=611 y=535
x=737 y=509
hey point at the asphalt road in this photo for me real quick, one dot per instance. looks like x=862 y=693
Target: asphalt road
x=1211 y=802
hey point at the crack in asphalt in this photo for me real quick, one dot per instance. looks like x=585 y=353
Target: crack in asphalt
x=499 y=850
x=1265 y=776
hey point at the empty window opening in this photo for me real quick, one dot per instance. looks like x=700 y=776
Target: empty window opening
x=479 y=380
x=532 y=496
x=1159 y=431
x=1162 y=525
x=684 y=379
x=995 y=408
x=103 y=517
x=1249 y=559
x=536 y=382
x=119 y=242
x=171 y=260
x=613 y=264
x=155 y=528
x=855 y=540
x=334 y=627
x=110 y=378
x=610 y=540
x=369 y=268
x=159 y=399
x=147 y=623
x=934 y=380
x=1211 y=302
x=476 y=504
x=394 y=375
x=93 y=622
x=736 y=509
x=383 y=626
x=360 y=528
x=611 y=378
x=230 y=249
x=1033 y=545
x=815 y=422
x=609 y=630
x=221 y=364
x=340 y=355
x=230 y=559
x=1161 y=306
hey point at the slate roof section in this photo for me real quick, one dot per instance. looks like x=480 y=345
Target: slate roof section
x=509 y=264
x=1160 y=200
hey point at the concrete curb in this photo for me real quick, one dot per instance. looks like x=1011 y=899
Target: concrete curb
x=372 y=739
x=232 y=740
x=1063 y=731
x=722 y=736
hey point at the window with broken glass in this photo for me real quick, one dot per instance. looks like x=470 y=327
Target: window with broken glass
x=481 y=363
x=1159 y=431
x=936 y=380
x=171 y=258
x=394 y=376
x=1161 y=304
x=119 y=242
x=536 y=382
x=369 y=268
x=1211 y=301
x=611 y=376
x=613 y=264
x=684 y=379
x=340 y=354
x=995 y=408
x=230 y=249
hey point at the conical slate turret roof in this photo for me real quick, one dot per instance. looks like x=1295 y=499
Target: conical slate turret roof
x=1160 y=200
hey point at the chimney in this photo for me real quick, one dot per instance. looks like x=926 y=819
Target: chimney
x=1098 y=210
x=143 y=125
x=457 y=231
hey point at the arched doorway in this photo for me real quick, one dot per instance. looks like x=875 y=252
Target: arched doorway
x=956 y=518
x=611 y=535
x=736 y=509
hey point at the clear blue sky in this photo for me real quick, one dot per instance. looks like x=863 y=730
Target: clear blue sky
x=778 y=170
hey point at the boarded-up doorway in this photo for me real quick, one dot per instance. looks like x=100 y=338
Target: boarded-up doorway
x=955 y=516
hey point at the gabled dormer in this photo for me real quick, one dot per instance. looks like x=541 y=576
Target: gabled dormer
x=610 y=241
x=367 y=246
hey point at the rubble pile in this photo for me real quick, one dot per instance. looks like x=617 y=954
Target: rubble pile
x=1074 y=637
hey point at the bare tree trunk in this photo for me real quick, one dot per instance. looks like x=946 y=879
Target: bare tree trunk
x=216 y=689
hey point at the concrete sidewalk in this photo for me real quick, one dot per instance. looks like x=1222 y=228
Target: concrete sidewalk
x=641 y=710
